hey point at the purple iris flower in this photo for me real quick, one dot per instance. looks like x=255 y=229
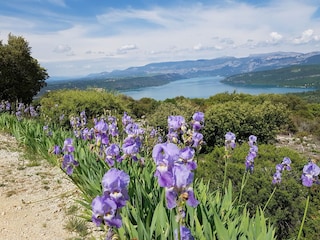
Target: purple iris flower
x=164 y=155
x=101 y=126
x=182 y=179
x=114 y=184
x=286 y=163
x=252 y=139
x=196 y=126
x=230 y=140
x=310 y=174
x=56 y=150
x=87 y=134
x=68 y=147
x=113 y=129
x=153 y=133
x=113 y=154
x=33 y=112
x=276 y=177
x=197 y=139
x=176 y=122
x=133 y=129
x=187 y=157
x=126 y=119
x=173 y=136
x=19 y=115
x=185 y=234
x=102 y=139
x=198 y=116
x=131 y=145
x=197 y=121
x=104 y=210
x=69 y=163
x=8 y=105
x=165 y=152
x=253 y=151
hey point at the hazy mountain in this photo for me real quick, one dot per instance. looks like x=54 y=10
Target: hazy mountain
x=224 y=66
x=155 y=74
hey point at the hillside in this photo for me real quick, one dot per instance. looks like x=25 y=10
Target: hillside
x=304 y=76
x=155 y=74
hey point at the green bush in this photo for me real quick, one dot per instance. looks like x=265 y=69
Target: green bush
x=286 y=207
x=72 y=102
x=243 y=119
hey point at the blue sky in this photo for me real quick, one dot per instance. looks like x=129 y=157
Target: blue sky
x=78 y=37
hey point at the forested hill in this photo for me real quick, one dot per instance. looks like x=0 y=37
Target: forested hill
x=124 y=83
x=307 y=76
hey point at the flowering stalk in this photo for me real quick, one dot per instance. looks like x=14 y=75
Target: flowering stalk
x=106 y=208
x=175 y=166
x=309 y=176
x=230 y=144
x=253 y=151
x=284 y=165
x=68 y=162
x=304 y=217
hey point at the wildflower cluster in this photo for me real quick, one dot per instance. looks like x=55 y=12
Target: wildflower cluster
x=105 y=208
x=20 y=109
x=79 y=125
x=68 y=162
x=252 y=153
x=179 y=133
x=310 y=174
x=284 y=165
x=175 y=164
x=5 y=106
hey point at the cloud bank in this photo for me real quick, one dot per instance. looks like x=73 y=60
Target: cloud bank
x=117 y=38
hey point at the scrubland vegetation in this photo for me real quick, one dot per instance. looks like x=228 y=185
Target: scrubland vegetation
x=231 y=201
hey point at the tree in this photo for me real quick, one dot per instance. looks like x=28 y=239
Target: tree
x=21 y=76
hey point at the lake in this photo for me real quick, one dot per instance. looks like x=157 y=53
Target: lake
x=202 y=87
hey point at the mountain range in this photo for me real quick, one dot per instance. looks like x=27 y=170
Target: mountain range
x=224 y=66
x=155 y=74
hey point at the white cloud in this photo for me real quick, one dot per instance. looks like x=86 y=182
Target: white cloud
x=61 y=48
x=128 y=47
x=167 y=34
x=275 y=37
x=198 y=46
x=307 y=36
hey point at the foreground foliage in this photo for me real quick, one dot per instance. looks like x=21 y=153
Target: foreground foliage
x=146 y=216
x=224 y=208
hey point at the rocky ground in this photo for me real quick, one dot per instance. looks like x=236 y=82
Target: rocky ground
x=37 y=200
x=309 y=146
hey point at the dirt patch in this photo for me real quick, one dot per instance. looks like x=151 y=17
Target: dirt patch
x=36 y=199
x=308 y=146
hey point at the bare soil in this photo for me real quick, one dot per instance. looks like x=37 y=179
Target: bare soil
x=35 y=198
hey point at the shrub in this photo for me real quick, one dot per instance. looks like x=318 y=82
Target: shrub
x=262 y=120
x=72 y=102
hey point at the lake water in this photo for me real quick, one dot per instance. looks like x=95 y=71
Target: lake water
x=201 y=87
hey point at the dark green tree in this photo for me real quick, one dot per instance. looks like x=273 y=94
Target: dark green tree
x=21 y=76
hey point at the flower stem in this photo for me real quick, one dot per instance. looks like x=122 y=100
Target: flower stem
x=304 y=217
x=270 y=197
x=225 y=171
x=243 y=183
